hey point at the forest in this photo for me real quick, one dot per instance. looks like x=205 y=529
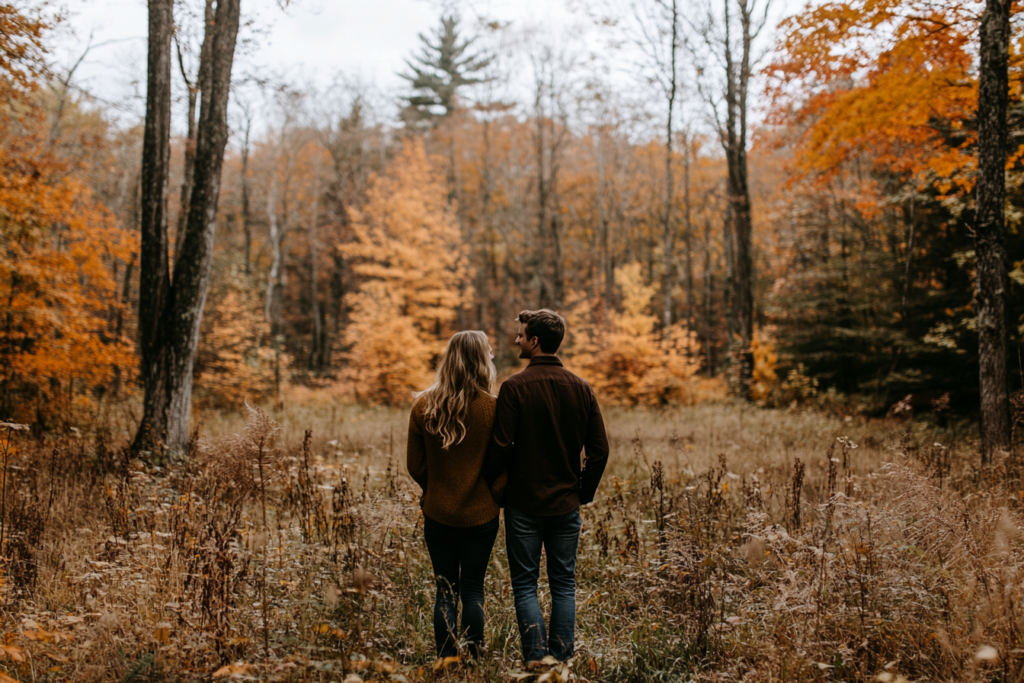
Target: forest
x=824 y=255
x=774 y=234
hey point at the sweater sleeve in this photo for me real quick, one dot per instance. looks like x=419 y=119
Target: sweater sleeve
x=416 y=451
x=503 y=436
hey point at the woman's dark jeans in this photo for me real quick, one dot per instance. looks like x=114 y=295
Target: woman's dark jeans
x=459 y=556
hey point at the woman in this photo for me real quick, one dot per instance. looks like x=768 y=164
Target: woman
x=449 y=429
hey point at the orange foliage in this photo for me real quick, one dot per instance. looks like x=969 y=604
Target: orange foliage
x=21 y=34
x=624 y=357
x=888 y=77
x=234 y=363
x=61 y=325
x=409 y=252
x=766 y=359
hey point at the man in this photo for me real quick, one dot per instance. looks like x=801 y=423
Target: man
x=545 y=417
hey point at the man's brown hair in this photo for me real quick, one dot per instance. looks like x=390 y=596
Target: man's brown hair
x=546 y=325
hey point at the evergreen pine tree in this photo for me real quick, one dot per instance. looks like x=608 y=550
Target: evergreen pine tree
x=442 y=66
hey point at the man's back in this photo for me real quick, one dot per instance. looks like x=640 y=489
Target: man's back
x=545 y=417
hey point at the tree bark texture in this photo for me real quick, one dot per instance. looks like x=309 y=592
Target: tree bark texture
x=246 y=222
x=168 y=396
x=709 y=300
x=668 y=229
x=735 y=144
x=688 y=243
x=990 y=228
x=195 y=90
x=154 y=274
x=548 y=147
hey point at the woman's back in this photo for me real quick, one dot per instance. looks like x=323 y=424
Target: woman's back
x=454 y=491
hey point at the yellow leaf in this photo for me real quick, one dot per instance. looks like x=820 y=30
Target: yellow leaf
x=446 y=663
x=14 y=652
x=236 y=670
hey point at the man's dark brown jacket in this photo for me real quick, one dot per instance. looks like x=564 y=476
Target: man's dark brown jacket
x=546 y=416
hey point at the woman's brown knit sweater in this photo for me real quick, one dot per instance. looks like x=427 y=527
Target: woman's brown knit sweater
x=454 y=491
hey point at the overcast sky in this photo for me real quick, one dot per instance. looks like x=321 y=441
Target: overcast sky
x=308 y=41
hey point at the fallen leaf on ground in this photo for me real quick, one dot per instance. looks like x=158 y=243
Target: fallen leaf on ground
x=14 y=652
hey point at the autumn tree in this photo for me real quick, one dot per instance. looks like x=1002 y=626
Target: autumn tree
x=624 y=354
x=355 y=144
x=444 y=64
x=552 y=68
x=726 y=47
x=885 y=131
x=233 y=364
x=61 y=343
x=659 y=36
x=414 y=273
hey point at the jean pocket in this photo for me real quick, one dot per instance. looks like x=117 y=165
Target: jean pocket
x=521 y=524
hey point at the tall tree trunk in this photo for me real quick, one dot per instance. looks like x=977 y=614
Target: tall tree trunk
x=604 y=243
x=735 y=143
x=688 y=243
x=246 y=222
x=990 y=228
x=188 y=169
x=168 y=399
x=195 y=89
x=486 y=267
x=272 y=303
x=548 y=148
x=668 y=230
x=729 y=287
x=557 y=277
x=545 y=297
x=709 y=299
x=908 y=269
x=154 y=270
x=317 y=341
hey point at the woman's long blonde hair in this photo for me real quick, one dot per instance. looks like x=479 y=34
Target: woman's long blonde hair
x=464 y=372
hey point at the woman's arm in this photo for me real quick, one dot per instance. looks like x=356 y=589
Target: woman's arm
x=416 y=452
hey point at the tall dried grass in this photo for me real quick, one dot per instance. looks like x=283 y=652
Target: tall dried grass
x=726 y=543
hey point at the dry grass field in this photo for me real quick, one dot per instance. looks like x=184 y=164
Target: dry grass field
x=726 y=543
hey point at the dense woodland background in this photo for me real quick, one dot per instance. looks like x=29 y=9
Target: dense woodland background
x=823 y=213
x=355 y=232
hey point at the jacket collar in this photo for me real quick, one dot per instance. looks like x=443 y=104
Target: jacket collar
x=545 y=360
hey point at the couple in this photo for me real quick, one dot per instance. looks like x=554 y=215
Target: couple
x=473 y=454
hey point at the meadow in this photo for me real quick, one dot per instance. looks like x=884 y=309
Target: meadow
x=726 y=543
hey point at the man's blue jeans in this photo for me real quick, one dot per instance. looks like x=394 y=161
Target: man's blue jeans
x=559 y=536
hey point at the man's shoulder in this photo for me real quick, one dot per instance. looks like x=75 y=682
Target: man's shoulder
x=575 y=378
x=568 y=375
x=545 y=372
